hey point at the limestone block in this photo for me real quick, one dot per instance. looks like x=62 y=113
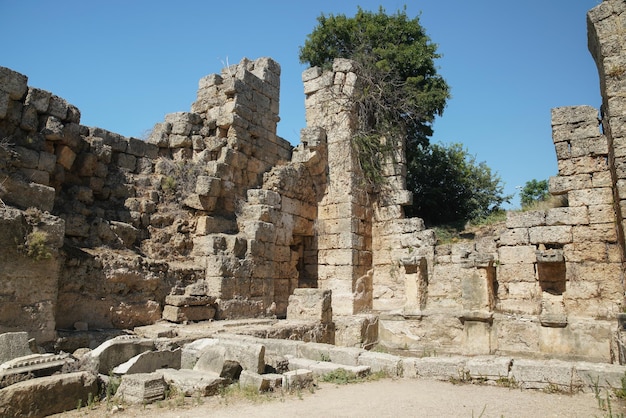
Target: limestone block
x=517 y=254
x=525 y=219
x=582 y=165
x=141 y=388
x=574 y=115
x=159 y=136
x=439 y=368
x=588 y=197
x=38 y=99
x=116 y=351
x=180 y=314
x=603 y=375
x=25 y=195
x=519 y=335
x=515 y=236
x=28 y=158
x=51 y=128
x=65 y=156
x=208 y=186
x=297 y=379
x=561 y=234
x=261 y=382
x=605 y=232
x=320 y=368
x=567 y=216
x=191 y=352
x=260 y=231
x=179 y=141
x=150 y=361
x=249 y=356
x=30 y=120
x=193 y=383
x=49 y=395
x=58 y=107
x=562 y=184
x=601 y=214
x=264 y=197
x=310 y=305
x=125 y=232
x=578 y=252
x=13 y=83
x=382 y=362
x=539 y=374
x=13 y=345
x=311 y=73
x=488 y=367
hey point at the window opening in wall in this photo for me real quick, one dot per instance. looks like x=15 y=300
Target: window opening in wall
x=307 y=260
x=551 y=269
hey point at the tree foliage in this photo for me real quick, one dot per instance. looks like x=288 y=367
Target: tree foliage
x=450 y=187
x=402 y=93
x=534 y=191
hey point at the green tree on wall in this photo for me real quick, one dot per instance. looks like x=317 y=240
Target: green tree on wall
x=401 y=96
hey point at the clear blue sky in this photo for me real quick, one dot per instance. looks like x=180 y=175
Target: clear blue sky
x=126 y=64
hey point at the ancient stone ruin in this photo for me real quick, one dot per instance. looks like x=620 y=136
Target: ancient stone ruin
x=214 y=218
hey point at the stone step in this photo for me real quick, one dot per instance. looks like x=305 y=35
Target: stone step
x=320 y=368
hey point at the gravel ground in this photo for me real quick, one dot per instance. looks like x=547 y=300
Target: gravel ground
x=383 y=398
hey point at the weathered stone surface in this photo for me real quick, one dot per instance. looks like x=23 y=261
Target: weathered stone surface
x=13 y=345
x=537 y=374
x=49 y=395
x=310 y=305
x=142 y=388
x=297 y=379
x=193 y=383
x=150 y=361
x=116 y=351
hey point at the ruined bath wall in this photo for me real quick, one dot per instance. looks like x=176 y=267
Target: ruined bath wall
x=548 y=283
x=115 y=195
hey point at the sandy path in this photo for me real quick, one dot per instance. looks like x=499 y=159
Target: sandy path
x=384 y=398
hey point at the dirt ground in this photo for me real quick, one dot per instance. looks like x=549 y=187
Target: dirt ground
x=383 y=398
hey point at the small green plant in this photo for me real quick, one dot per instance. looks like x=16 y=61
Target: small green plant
x=507 y=382
x=36 y=246
x=168 y=185
x=464 y=377
x=325 y=357
x=340 y=377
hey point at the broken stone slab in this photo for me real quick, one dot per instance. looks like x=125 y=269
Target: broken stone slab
x=150 y=361
x=251 y=356
x=180 y=314
x=540 y=374
x=189 y=300
x=48 y=395
x=297 y=379
x=320 y=368
x=346 y=355
x=382 y=362
x=600 y=375
x=13 y=345
x=192 y=351
x=36 y=364
x=193 y=382
x=439 y=368
x=141 y=388
x=116 y=351
x=261 y=382
x=310 y=305
x=489 y=367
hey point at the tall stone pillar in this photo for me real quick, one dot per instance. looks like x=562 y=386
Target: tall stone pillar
x=344 y=217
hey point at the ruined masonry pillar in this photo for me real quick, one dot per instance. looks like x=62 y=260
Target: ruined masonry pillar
x=344 y=220
x=607 y=43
